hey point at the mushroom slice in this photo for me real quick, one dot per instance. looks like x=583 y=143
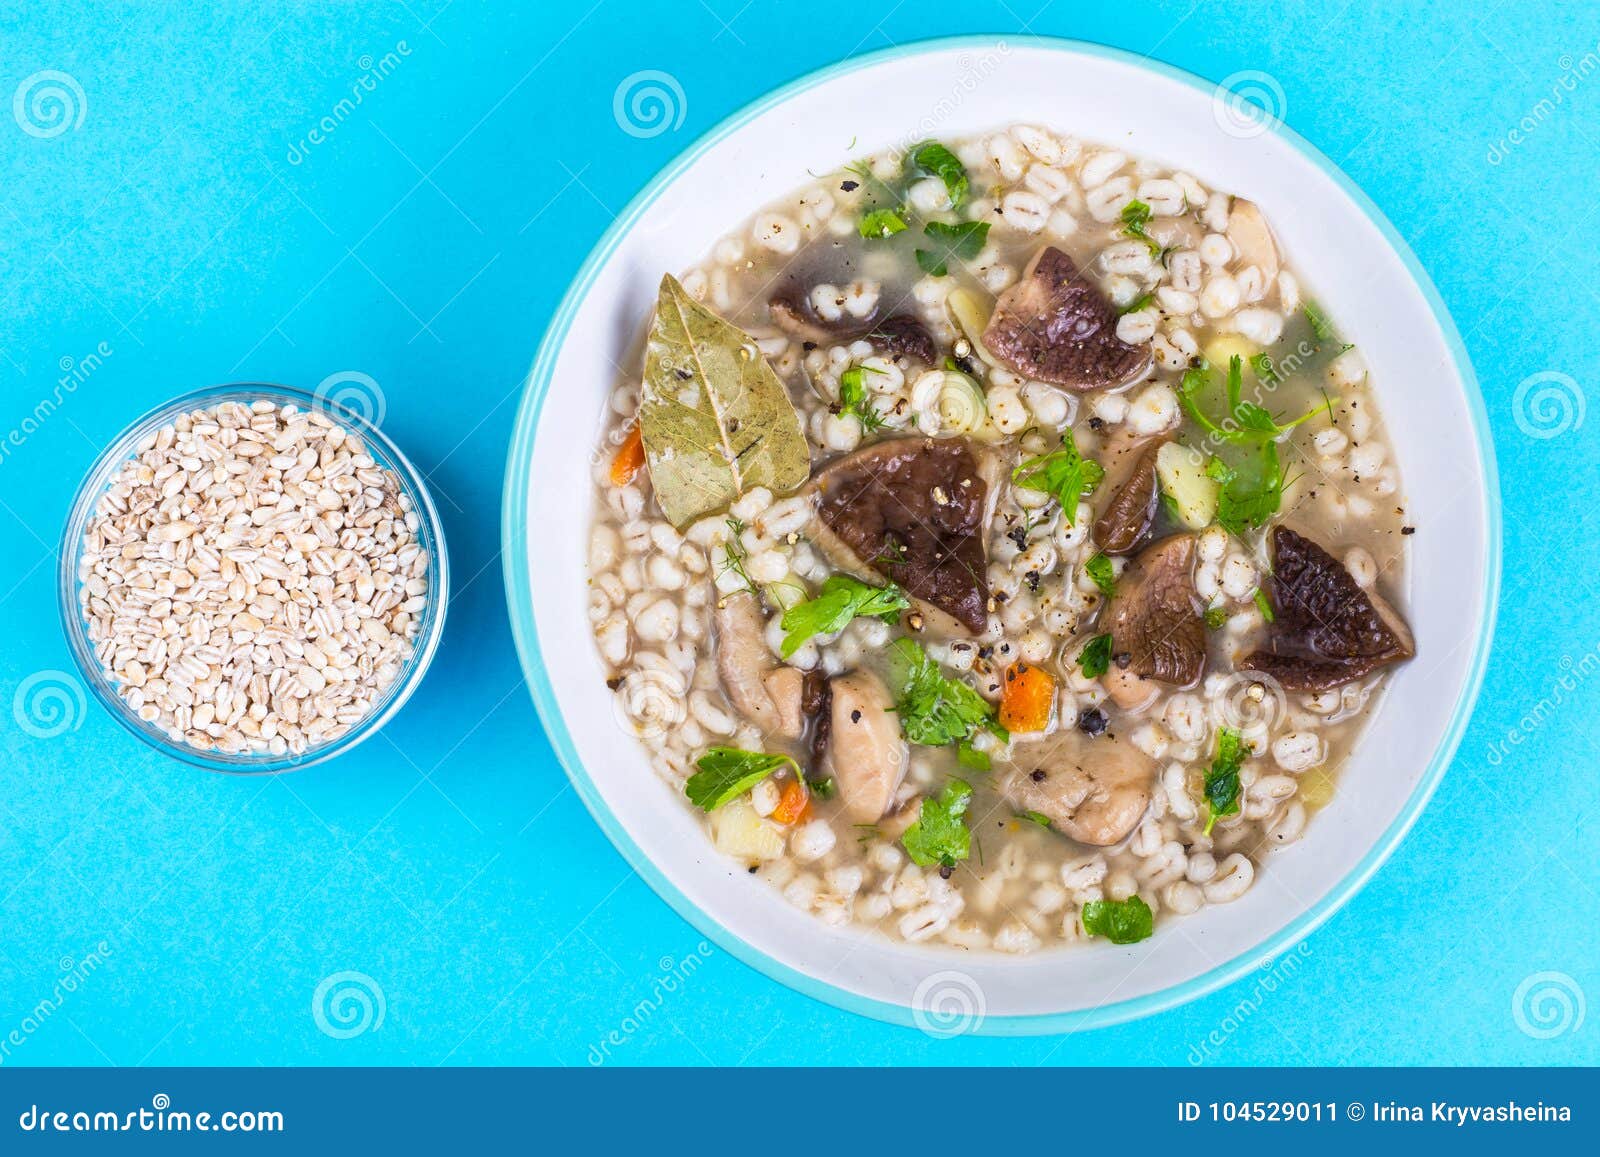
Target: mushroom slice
x=912 y=510
x=756 y=685
x=904 y=336
x=1252 y=239
x=798 y=321
x=894 y=825
x=816 y=704
x=1326 y=630
x=1094 y=790
x=867 y=756
x=785 y=687
x=1056 y=326
x=1155 y=617
x=1131 y=509
x=1133 y=693
x=900 y=335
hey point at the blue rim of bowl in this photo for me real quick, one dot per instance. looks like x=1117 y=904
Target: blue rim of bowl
x=524 y=630
x=94 y=483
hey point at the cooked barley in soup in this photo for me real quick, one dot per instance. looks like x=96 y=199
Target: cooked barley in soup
x=997 y=545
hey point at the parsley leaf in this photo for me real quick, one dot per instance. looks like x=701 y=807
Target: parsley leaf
x=853 y=397
x=876 y=224
x=1321 y=327
x=841 y=599
x=1036 y=818
x=1325 y=408
x=933 y=709
x=1138 y=303
x=1099 y=568
x=1135 y=216
x=1216 y=616
x=964 y=240
x=1119 y=921
x=1244 y=422
x=1063 y=474
x=1264 y=606
x=726 y=773
x=1095 y=658
x=1266 y=373
x=934 y=159
x=940 y=836
x=1251 y=488
x=1253 y=492
x=969 y=756
x=1222 y=778
x=1192 y=382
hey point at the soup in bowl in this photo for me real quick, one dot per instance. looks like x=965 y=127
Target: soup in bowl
x=998 y=542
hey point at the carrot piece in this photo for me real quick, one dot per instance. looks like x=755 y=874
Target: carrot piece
x=794 y=804
x=630 y=456
x=1028 y=698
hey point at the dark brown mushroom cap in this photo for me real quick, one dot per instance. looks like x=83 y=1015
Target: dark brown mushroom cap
x=1056 y=326
x=913 y=510
x=1131 y=509
x=816 y=706
x=900 y=335
x=1155 y=620
x=904 y=336
x=1326 y=630
x=797 y=320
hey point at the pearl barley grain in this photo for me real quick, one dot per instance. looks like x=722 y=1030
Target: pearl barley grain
x=302 y=582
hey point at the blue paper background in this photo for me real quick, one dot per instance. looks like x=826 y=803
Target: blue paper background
x=188 y=225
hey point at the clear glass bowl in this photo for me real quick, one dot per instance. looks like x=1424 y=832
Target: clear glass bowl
x=430 y=535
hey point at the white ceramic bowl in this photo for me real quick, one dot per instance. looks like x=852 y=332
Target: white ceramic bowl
x=1332 y=233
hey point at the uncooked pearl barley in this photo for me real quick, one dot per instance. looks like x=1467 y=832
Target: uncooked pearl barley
x=295 y=581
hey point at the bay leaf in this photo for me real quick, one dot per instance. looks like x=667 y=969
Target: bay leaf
x=715 y=418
